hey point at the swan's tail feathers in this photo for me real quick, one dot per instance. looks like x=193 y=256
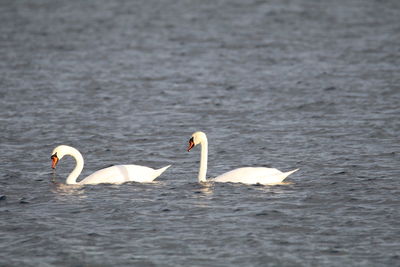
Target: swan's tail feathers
x=160 y=171
x=286 y=174
x=290 y=172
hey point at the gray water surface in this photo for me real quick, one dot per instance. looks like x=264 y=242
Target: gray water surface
x=286 y=84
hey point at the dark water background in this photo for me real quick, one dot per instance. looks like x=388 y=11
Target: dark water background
x=289 y=84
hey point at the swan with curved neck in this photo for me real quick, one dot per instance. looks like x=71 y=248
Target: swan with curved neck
x=246 y=175
x=115 y=175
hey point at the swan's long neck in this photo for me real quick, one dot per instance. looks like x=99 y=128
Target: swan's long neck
x=78 y=168
x=203 y=160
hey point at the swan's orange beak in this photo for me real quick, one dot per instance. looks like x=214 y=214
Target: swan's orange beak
x=191 y=144
x=54 y=161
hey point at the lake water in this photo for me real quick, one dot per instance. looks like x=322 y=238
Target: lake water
x=288 y=84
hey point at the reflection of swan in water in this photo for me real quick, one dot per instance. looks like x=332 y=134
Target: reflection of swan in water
x=68 y=190
x=247 y=175
x=115 y=175
x=207 y=190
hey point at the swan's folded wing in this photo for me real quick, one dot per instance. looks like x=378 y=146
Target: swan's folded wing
x=120 y=174
x=251 y=175
x=142 y=174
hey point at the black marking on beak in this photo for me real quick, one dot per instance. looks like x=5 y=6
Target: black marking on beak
x=191 y=144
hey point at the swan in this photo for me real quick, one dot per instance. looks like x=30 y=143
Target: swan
x=114 y=175
x=246 y=175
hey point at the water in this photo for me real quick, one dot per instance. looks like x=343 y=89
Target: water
x=287 y=84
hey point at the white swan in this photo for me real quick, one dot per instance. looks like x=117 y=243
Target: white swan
x=247 y=175
x=115 y=175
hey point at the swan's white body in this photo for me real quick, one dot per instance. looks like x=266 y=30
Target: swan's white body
x=114 y=175
x=254 y=175
x=246 y=175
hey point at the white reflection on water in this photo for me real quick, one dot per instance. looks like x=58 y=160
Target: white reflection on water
x=207 y=188
x=71 y=190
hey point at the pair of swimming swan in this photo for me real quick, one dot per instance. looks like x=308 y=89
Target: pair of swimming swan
x=135 y=173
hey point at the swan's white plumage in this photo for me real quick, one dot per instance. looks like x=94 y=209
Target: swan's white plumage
x=253 y=175
x=115 y=175
x=119 y=174
x=245 y=175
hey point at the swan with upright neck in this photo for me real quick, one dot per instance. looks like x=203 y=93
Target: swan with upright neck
x=246 y=175
x=114 y=175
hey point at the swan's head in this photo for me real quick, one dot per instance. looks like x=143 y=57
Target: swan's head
x=197 y=138
x=58 y=153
